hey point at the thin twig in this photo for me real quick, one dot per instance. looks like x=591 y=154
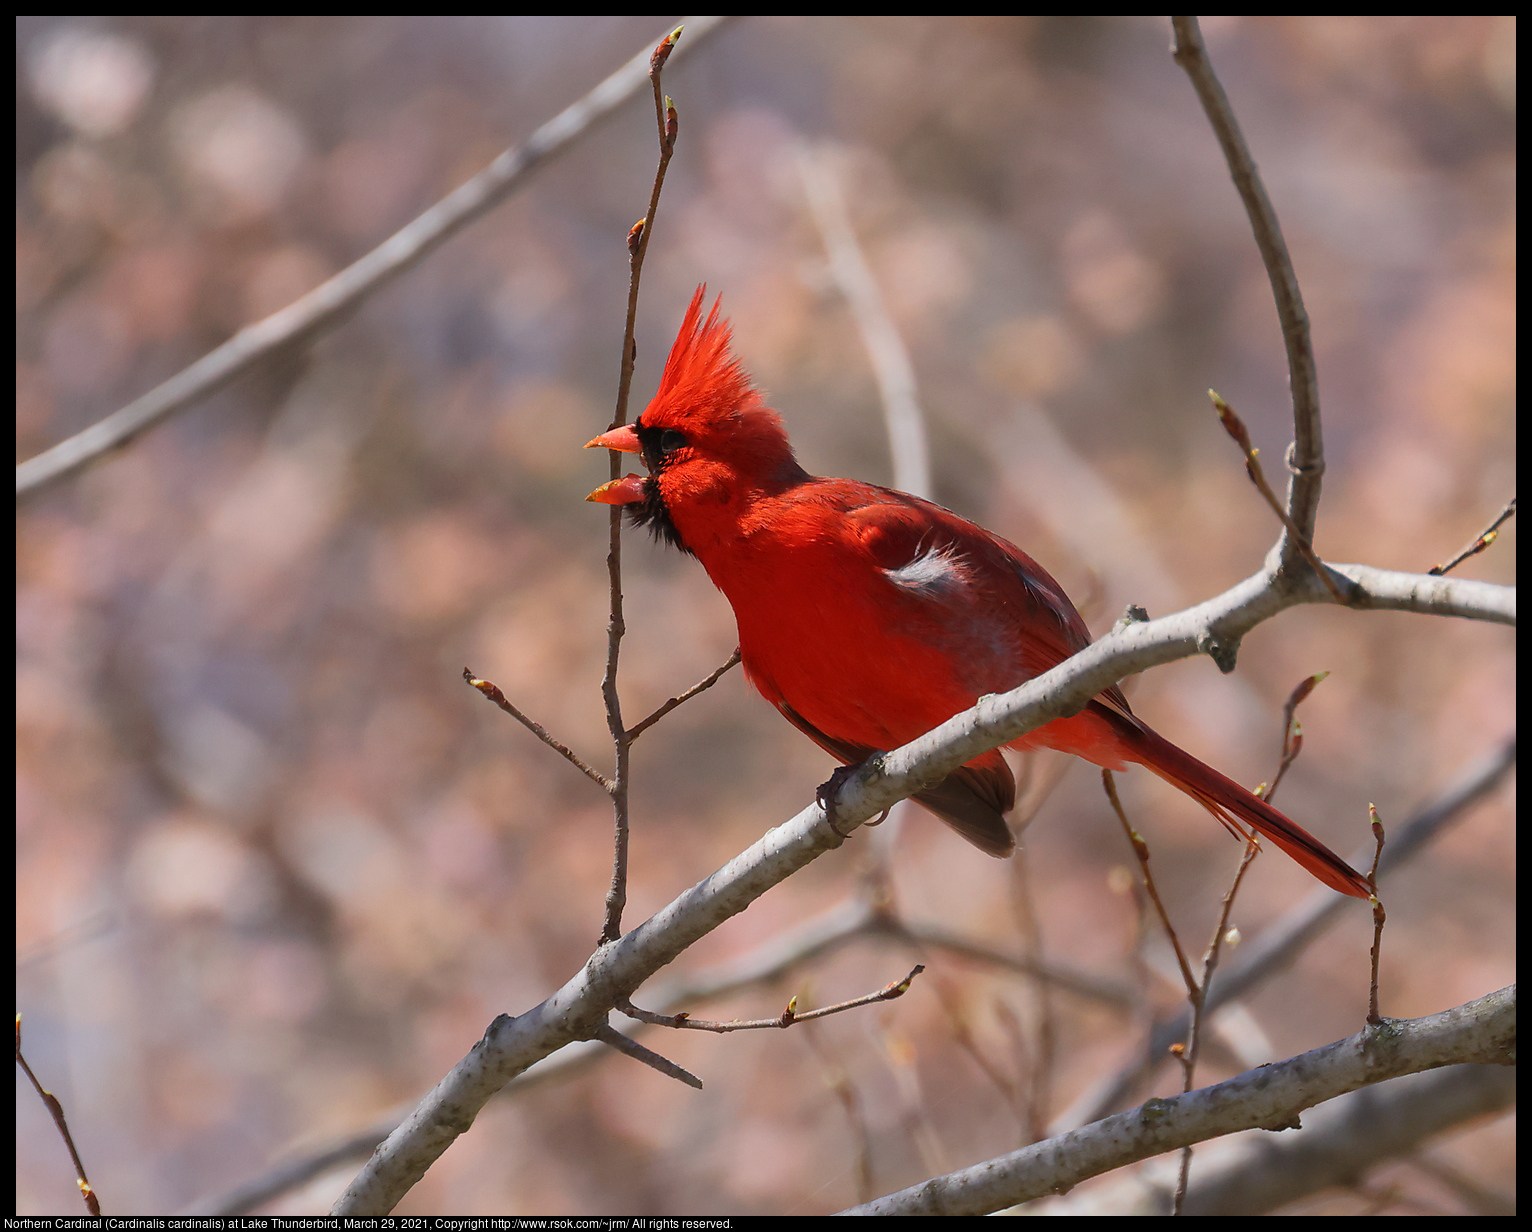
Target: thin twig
x=1039 y=1092
x=1235 y=427
x=511 y=1045
x=1141 y=850
x=1188 y=1058
x=962 y=1035
x=1268 y=1097
x=333 y=301
x=890 y=358
x=1306 y=460
x=638 y=245
x=92 y=1203
x=836 y=1078
x=1292 y=734
x=639 y=728
x=1379 y=916
x=787 y=1018
x=774 y=958
x=1279 y=945
x=492 y=691
x=632 y=1048
x=1485 y=537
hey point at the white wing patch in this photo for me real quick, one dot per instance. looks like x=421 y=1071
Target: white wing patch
x=934 y=570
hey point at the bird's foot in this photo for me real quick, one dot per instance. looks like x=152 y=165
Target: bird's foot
x=827 y=791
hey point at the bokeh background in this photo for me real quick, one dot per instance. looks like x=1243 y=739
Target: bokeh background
x=278 y=866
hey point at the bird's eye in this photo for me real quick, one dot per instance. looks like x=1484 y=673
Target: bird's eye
x=671 y=440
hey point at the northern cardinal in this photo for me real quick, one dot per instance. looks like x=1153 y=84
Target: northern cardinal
x=868 y=616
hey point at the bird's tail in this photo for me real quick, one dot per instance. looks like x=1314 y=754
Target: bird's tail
x=1231 y=804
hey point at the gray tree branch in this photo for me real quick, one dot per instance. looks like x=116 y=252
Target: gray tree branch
x=1269 y=1097
x=579 y=1010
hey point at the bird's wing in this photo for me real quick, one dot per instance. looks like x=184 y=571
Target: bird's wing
x=927 y=548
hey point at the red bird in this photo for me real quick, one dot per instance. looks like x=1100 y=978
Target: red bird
x=868 y=617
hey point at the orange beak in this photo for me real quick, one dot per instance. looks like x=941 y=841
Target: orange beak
x=623 y=440
x=624 y=491
x=630 y=488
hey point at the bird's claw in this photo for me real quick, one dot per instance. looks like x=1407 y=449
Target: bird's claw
x=827 y=791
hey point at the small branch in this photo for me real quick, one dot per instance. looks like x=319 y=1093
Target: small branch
x=962 y=1035
x=632 y=1048
x=839 y=1081
x=1307 y=458
x=638 y=246
x=1141 y=850
x=1040 y=1073
x=774 y=958
x=788 y=1017
x=492 y=691
x=1268 y=1097
x=638 y=729
x=1486 y=537
x=1279 y=945
x=1235 y=427
x=1292 y=733
x=891 y=364
x=511 y=1045
x=334 y=301
x=92 y=1203
x=1379 y=918
x=1188 y=1057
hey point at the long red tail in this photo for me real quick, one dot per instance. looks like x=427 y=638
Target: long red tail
x=1227 y=800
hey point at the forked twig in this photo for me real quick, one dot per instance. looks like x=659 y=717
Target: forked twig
x=787 y=1018
x=668 y=125
x=1279 y=946
x=1187 y=1053
x=1306 y=460
x=1235 y=427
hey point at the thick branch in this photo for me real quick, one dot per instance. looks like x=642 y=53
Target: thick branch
x=1388 y=590
x=615 y=971
x=1263 y=956
x=1268 y=1097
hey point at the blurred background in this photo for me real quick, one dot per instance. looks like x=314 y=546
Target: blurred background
x=278 y=866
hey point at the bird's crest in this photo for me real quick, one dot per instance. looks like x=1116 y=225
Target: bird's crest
x=702 y=373
x=707 y=395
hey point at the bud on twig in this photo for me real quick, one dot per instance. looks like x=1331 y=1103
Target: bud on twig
x=662 y=52
x=672 y=122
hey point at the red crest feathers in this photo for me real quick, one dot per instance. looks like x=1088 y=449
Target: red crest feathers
x=702 y=374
